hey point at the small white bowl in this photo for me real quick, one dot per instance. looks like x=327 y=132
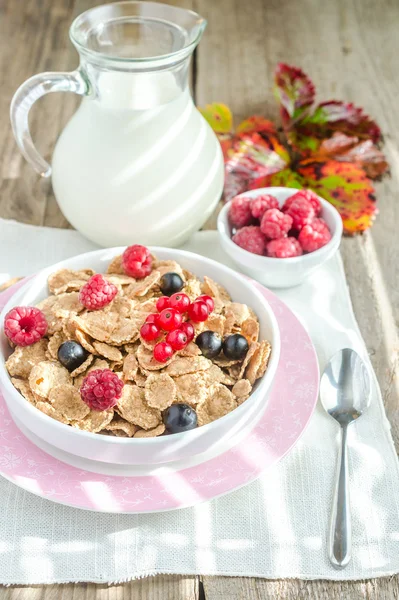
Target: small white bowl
x=150 y=451
x=280 y=272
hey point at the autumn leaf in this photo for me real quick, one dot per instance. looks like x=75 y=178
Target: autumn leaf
x=347 y=187
x=218 y=116
x=285 y=178
x=350 y=149
x=252 y=156
x=308 y=133
x=294 y=91
x=307 y=127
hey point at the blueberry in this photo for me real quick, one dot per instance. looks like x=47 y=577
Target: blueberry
x=210 y=343
x=71 y=355
x=180 y=417
x=170 y=283
x=235 y=347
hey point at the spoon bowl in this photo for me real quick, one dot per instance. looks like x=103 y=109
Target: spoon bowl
x=345 y=387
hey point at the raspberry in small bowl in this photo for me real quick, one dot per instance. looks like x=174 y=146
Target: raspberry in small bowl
x=302 y=233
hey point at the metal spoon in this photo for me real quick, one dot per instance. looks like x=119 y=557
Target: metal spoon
x=345 y=395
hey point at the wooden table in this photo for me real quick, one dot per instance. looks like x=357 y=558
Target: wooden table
x=350 y=49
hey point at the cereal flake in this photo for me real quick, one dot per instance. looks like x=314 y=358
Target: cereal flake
x=160 y=391
x=133 y=407
x=47 y=375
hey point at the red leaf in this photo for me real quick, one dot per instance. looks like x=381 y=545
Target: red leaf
x=294 y=90
x=255 y=151
x=347 y=118
x=351 y=149
x=308 y=133
x=347 y=187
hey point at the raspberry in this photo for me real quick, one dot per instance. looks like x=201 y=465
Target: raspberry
x=284 y=248
x=162 y=352
x=25 y=325
x=198 y=311
x=314 y=236
x=261 y=204
x=304 y=195
x=101 y=389
x=251 y=238
x=97 y=292
x=137 y=261
x=275 y=224
x=301 y=211
x=240 y=212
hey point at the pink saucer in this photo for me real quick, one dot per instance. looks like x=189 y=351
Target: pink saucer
x=291 y=404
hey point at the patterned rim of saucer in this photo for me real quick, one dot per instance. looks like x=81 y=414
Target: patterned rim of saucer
x=290 y=407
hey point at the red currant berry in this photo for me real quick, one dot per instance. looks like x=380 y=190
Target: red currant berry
x=149 y=332
x=153 y=318
x=208 y=301
x=163 y=352
x=177 y=339
x=180 y=302
x=189 y=330
x=198 y=311
x=170 y=319
x=162 y=303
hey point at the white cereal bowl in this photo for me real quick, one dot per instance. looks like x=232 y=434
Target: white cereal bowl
x=280 y=272
x=150 y=451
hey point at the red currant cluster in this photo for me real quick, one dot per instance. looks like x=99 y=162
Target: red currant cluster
x=174 y=323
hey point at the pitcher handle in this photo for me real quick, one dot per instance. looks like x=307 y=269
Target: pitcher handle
x=30 y=91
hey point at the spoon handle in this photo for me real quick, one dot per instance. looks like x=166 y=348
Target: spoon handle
x=340 y=543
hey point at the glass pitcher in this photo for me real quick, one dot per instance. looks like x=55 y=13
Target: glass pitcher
x=137 y=162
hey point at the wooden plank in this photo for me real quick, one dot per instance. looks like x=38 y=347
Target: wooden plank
x=235 y=65
x=165 y=587
x=33 y=39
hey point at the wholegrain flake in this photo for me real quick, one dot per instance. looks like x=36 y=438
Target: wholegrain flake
x=83 y=367
x=45 y=376
x=24 y=388
x=191 y=388
x=21 y=362
x=120 y=427
x=133 y=407
x=107 y=351
x=95 y=420
x=159 y=430
x=66 y=400
x=242 y=388
x=111 y=337
x=66 y=280
x=54 y=343
x=219 y=402
x=160 y=391
x=130 y=367
x=143 y=286
x=185 y=364
x=50 y=411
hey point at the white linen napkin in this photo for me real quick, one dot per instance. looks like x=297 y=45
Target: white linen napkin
x=275 y=527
